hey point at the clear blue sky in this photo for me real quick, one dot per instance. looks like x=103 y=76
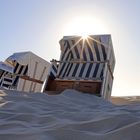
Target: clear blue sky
x=38 y=25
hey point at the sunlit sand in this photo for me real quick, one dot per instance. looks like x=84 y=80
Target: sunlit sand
x=67 y=116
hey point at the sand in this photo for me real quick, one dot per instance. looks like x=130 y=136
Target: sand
x=69 y=116
x=125 y=100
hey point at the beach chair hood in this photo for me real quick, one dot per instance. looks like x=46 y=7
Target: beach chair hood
x=21 y=57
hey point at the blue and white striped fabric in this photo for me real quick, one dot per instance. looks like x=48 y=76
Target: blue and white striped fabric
x=2 y=75
x=9 y=80
x=90 y=61
x=20 y=69
x=53 y=69
x=78 y=49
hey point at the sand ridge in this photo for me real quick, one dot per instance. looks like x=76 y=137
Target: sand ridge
x=68 y=116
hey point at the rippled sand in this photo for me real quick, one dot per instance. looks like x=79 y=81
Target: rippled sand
x=68 y=116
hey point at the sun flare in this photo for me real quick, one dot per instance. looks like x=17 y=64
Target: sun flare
x=84 y=36
x=84 y=26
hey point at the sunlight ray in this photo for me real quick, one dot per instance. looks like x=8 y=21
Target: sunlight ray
x=99 y=42
x=73 y=46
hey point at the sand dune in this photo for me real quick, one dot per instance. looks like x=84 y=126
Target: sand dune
x=69 y=116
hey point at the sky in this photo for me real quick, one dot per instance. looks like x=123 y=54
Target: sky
x=38 y=25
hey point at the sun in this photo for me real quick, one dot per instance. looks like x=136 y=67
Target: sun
x=84 y=36
x=84 y=26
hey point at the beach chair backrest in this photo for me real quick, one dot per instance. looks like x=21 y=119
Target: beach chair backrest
x=82 y=58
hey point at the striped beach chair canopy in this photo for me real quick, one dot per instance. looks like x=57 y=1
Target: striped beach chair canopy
x=85 y=58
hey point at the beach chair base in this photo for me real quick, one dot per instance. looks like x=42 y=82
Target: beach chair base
x=85 y=86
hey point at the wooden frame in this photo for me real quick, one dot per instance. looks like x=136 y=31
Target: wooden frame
x=86 y=86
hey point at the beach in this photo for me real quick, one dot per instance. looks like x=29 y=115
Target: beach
x=67 y=116
x=126 y=100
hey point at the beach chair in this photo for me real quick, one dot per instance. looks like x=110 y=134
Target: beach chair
x=86 y=65
x=29 y=71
